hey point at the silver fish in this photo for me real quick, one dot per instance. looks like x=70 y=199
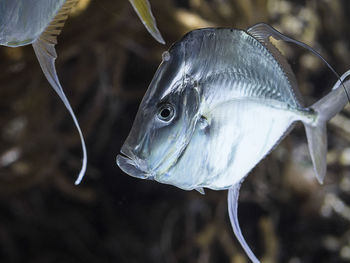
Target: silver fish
x=220 y=101
x=39 y=22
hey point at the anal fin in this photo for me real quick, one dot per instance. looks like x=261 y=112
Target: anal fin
x=232 y=198
x=44 y=48
x=200 y=190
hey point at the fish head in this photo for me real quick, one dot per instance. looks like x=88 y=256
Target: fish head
x=164 y=123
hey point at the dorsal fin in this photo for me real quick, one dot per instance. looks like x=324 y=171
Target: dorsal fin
x=262 y=33
x=143 y=10
x=44 y=48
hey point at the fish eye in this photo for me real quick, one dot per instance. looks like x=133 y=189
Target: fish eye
x=166 y=112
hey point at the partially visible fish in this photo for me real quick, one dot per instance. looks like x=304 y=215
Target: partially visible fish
x=220 y=101
x=39 y=22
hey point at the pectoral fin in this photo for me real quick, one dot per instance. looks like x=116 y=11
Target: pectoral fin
x=232 y=198
x=200 y=190
x=44 y=48
x=143 y=10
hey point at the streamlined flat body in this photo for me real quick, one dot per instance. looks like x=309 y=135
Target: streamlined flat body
x=247 y=100
x=235 y=100
x=220 y=101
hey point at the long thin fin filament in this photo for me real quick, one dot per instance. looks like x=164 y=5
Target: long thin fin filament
x=267 y=30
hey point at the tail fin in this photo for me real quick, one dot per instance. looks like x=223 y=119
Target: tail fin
x=316 y=134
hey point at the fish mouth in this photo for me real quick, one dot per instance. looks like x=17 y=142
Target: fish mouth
x=129 y=166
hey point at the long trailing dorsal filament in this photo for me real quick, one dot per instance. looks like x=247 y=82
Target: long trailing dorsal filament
x=270 y=31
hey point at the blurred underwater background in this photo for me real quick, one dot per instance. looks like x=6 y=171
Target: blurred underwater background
x=106 y=60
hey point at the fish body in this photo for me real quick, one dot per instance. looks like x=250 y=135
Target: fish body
x=245 y=104
x=39 y=22
x=220 y=101
x=235 y=100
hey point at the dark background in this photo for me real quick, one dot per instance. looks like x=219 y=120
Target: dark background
x=106 y=61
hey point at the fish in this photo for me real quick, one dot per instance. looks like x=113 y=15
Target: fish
x=220 y=101
x=39 y=23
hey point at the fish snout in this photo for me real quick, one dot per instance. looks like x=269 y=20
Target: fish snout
x=131 y=164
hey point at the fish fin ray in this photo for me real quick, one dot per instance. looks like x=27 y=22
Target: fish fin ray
x=232 y=198
x=143 y=10
x=44 y=48
x=262 y=32
x=55 y=27
x=316 y=134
